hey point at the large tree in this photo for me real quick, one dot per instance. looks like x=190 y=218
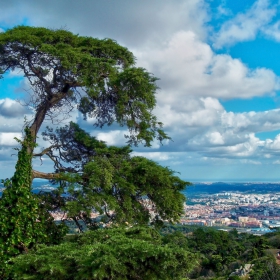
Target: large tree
x=67 y=71
x=107 y=179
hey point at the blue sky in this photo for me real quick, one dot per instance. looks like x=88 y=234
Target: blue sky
x=219 y=71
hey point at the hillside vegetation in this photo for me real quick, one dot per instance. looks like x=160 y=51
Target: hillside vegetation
x=175 y=252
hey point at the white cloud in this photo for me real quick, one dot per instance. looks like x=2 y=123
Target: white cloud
x=273 y=31
x=169 y=39
x=215 y=138
x=157 y=156
x=188 y=67
x=7 y=139
x=132 y=23
x=223 y=10
x=229 y=78
x=10 y=108
x=15 y=73
x=252 y=121
x=115 y=137
x=273 y=145
x=248 y=161
x=222 y=134
x=245 y=26
x=192 y=78
x=11 y=124
x=245 y=149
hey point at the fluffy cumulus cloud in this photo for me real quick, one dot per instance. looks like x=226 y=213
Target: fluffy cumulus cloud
x=273 y=146
x=230 y=135
x=171 y=40
x=252 y=121
x=8 y=139
x=188 y=67
x=10 y=108
x=133 y=23
x=193 y=78
x=114 y=138
x=12 y=115
x=259 y=19
x=245 y=25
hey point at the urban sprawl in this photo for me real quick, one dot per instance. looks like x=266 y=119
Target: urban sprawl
x=256 y=213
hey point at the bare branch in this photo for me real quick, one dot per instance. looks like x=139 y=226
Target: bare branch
x=43 y=175
x=45 y=151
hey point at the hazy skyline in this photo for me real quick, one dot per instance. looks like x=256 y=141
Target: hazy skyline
x=217 y=62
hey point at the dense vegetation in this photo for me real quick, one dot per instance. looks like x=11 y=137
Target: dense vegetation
x=114 y=253
x=97 y=77
x=134 y=196
x=175 y=252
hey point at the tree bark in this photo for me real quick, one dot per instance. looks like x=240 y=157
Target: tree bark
x=43 y=175
x=42 y=110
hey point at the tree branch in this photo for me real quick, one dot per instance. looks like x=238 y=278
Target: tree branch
x=45 y=151
x=43 y=175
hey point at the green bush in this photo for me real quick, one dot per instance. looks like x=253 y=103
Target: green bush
x=136 y=253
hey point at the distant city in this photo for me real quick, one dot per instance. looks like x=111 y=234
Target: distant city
x=248 y=207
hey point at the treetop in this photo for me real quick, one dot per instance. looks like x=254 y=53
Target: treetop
x=98 y=75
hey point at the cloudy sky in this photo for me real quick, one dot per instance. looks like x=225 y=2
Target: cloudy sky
x=219 y=70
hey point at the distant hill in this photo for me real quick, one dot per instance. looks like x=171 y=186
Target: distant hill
x=217 y=187
x=197 y=188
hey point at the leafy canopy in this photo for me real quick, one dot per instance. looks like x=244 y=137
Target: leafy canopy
x=124 y=188
x=64 y=69
x=99 y=77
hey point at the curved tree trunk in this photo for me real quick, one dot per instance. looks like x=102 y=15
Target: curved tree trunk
x=42 y=110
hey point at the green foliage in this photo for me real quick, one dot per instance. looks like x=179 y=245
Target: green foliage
x=235 y=277
x=19 y=210
x=171 y=228
x=134 y=253
x=119 y=253
x=59 y=65
x=222 y=252
x=63 y=70
x=108 y=179
x=274 y=241
x=22 y=221
x=176 y=238
x=265 y=268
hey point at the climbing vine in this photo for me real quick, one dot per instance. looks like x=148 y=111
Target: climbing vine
x=23 y=222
